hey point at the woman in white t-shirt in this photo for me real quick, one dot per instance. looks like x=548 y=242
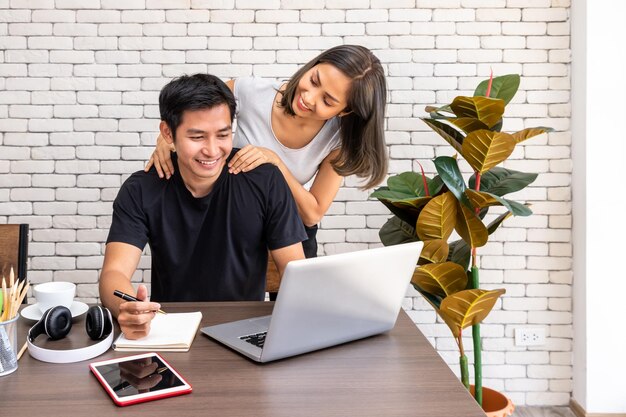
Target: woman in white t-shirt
x=326 y=121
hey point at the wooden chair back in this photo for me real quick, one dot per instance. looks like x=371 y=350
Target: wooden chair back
x=13 y=249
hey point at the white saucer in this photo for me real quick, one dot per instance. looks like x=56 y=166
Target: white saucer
x=33 y=313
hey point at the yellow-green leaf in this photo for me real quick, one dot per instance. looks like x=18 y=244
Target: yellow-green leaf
x=468 y=307
x=410 y=204
x=484 y=149
x=522 y=135
x=437 y=218
x=488 y=110
x=468 y=124
x=435 y=250
x=480 y=199
x=442 y=279
x=449 y=133
x=470 y=227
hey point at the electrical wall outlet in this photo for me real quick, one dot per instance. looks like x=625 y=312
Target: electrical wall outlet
x=530 y=336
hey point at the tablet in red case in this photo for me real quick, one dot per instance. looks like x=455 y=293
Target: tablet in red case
x=139 y=378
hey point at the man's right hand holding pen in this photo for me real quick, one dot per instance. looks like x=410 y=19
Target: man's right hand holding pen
x=135 y=317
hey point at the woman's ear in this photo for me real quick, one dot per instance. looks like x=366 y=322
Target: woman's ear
x=166 y=133
x=344 y=113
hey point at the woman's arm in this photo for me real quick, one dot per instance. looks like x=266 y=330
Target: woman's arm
x=161 y=158
x=312 y=204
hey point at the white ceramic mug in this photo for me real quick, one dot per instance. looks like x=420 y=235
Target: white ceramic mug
x=51 y=294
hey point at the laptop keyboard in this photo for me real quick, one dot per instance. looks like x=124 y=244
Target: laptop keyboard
x=257 y=339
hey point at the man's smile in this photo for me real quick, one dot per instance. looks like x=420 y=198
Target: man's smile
x=209 y=163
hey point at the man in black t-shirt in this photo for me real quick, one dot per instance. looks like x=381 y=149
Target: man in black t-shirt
x=209 y=231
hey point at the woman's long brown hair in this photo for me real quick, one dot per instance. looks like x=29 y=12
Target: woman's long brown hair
x=363 y=152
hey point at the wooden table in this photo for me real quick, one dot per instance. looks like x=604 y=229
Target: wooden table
x=393 y=374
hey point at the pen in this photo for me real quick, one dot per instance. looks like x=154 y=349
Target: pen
x=127 y=297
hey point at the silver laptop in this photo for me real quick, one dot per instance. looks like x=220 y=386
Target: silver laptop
x=326 y=301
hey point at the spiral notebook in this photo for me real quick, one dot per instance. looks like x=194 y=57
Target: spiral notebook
x=172 y=332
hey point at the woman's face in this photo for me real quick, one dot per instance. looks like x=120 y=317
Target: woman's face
x=322 y=93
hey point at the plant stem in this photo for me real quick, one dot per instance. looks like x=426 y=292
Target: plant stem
x=478 y=362
x=463 y=362
x=476 y=210
x=424 y=180
x=464 y=372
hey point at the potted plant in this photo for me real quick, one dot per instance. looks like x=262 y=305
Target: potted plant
x=430 y=209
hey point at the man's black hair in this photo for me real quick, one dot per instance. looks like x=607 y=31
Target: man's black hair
x=193 y=92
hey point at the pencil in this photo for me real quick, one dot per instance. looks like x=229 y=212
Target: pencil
x=21 y=293
x=127 y=297
x=5 y=299
x=22 y=350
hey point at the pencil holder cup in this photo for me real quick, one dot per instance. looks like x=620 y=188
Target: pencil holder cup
x=8 y=346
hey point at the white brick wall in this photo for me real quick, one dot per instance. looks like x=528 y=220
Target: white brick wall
x=78 y=112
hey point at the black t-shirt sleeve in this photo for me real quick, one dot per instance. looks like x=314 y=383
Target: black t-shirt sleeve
x=129 y=223
x=283 y=224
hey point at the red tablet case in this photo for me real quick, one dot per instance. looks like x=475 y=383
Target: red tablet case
x=157 y=395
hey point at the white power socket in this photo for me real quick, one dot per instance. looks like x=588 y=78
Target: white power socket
x=530 y=336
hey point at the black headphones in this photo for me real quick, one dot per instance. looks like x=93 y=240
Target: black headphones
x=56 y=323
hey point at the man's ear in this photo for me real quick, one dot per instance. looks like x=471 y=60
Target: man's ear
x=166 y=133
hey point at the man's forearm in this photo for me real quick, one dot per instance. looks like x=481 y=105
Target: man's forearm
x=109 y=282
x=120 y=262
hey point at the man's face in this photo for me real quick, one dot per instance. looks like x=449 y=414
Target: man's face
x=204 y=140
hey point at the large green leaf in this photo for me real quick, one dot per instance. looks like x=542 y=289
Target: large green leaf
x=442 y=279
x=488 y=110
x=435 y=185
x=484 y=149
x=501 y=181
x=460 y=253
x=403 y=200
x=522 y=135
x=395 y=232
x=517 y=209
x=448 y=169
x=470 y=227
x=450 y=134
x=467 y=308
x=410 y=183
x=404 y=195
x=406 y=185
x=434 y=251
x=436 y=221
x=385 y=193
x=503 y=87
